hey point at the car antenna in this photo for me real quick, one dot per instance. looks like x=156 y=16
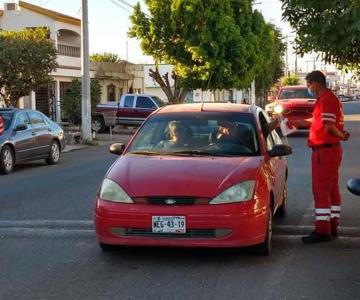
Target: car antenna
x=207 y=88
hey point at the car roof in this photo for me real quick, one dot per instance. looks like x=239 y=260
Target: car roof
x=206 y=107
x=296 y=87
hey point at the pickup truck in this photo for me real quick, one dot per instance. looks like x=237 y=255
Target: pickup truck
x=131 y=110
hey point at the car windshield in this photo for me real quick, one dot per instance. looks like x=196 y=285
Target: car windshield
x=7 y=117
x=197 y=134
x=158 y=101
x=296 y=94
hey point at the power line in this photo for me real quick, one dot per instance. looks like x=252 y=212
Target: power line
x=117 y=4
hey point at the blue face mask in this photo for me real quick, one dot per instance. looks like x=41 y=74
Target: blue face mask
x=311 y=93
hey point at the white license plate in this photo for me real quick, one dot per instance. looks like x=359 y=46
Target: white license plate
x=168 y=224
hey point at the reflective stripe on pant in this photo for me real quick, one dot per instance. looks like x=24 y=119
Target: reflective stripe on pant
x=325 y=164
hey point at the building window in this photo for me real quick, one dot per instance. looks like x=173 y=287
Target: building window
x=111 y=92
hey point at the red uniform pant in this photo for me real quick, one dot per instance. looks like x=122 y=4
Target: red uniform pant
x=325 y=184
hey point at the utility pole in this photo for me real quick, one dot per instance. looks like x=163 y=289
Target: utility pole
x=85 y=75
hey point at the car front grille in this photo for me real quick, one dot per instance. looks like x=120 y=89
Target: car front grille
x=171 y=200
x=190 y=233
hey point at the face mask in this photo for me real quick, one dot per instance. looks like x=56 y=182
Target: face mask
x=311 y=92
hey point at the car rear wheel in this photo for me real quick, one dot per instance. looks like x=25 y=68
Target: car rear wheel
x=98 y=124
x=54 y=155
x=6 y=160
x=282 y=210
x=265 y=247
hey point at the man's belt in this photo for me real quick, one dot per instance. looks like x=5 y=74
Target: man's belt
x=317 y=147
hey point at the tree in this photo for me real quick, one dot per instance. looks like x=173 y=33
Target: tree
x=71 y=103
x=27 y=58
x=290 y=80
x=203 y=40
x=105 y=57
x=329 y=27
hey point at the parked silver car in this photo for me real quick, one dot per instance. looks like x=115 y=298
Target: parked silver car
x=28 y=135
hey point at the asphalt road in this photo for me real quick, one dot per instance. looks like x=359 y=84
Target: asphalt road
x=48 y=250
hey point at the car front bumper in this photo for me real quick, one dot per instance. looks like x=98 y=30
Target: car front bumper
x=224 y=225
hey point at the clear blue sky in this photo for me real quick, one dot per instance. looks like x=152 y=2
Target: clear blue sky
x=109 y=23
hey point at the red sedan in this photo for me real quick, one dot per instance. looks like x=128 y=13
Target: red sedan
x=294 y=103
x=195 y=175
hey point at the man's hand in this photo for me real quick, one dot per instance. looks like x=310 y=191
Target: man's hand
x=346 y=135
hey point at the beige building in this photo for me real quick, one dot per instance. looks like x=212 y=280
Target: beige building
x=65 y=33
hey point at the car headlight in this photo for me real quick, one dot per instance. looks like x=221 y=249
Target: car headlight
x=237 y=193
x=111 y=191
x=278 y=109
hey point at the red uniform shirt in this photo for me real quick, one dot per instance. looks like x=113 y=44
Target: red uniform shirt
x=327 y=109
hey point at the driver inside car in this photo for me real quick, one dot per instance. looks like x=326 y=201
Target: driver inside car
x=177 y=136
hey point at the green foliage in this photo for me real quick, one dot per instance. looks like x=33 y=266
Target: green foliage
x=330 y=27
x=211 y=44
x=290 y=80
x=105 y=57
x=27 y=58
x=71 y=103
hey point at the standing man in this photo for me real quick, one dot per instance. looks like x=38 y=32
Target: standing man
x=326 y=132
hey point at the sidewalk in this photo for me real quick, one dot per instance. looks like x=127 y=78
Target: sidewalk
x=118 y=135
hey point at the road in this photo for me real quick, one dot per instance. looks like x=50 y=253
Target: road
x=48 y=249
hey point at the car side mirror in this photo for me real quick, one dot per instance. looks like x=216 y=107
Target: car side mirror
x=117 y=148
x=280 y=150
x=21 y=127
x=353 y=186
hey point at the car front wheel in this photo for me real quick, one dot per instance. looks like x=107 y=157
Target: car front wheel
x=54 y=154
x=6 y=160
x=266 y=247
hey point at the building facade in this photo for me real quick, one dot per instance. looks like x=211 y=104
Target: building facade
x=65 y=33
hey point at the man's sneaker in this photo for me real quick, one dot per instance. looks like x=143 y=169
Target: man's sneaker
x=314 y=238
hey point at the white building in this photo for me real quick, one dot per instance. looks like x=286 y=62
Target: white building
x=153 y=88
x=65 y=32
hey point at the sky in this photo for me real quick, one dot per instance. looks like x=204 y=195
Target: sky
x=109 y=23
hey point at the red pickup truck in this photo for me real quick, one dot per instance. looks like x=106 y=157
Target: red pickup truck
x=132 y=109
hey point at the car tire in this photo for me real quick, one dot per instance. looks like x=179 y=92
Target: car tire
x=107 y=247
x=98 y=124
x=7 y=160
x=265 y=247
x=54 y=154
x=282 y=210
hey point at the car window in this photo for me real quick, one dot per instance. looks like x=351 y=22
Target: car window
x=129 y=101
x=209 y=134
x=7 y=117
x=22 y=118
x=158 y=101
x=36 y=119
x=296 y=93
x=144 y=102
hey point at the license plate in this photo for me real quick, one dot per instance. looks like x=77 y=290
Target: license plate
x=168 y=224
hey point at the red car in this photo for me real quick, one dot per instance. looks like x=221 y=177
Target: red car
x=195 y=176
x=296 y=104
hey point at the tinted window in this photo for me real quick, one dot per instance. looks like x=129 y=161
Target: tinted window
x=206 y=134
x=144 y=102
x=36 y=119
x=296 y=93
x=129 y=101
x=7 y=117
x=22 y=118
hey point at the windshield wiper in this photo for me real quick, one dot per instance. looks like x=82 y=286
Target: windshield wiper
x=145 y=152
x=199 y=152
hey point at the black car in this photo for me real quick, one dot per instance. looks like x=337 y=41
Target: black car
x=28 y=135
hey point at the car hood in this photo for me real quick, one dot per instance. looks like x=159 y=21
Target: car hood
x=297 y=102
x=144 y=176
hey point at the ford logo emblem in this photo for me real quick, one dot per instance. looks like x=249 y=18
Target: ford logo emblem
x=170 y=201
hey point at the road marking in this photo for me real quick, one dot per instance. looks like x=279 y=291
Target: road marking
x=69 y=228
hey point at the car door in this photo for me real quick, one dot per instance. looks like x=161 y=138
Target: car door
x=276 y=164
x=24 y=140
x=144 y=106
x=42 y=132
